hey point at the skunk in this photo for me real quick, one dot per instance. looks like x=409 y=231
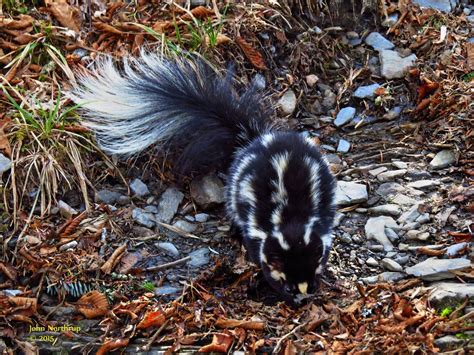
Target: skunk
x=280 y=191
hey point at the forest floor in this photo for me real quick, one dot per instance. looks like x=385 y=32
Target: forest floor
x=100 y=255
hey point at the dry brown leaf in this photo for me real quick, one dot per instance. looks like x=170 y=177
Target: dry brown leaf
x=253 y=55
x=430 y=252
x=198 y=12
x=67 y=15
x=93 y=304
x=108 y=266
x=234 y=323
x=104 y=27
x=152 y=319
x=5 y=147
x=13 y=24
x=110 y=345
x=470 y=56
x=8 y=270
x=221 y=343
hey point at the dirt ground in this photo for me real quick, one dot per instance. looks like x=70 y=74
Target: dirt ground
x=100 y=254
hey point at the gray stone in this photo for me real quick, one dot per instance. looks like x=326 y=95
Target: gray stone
x=65 y=210
x=107 y=196
x=390 y=175
x=393 y=65
x=5 y=164
x=380 y=170
x=391 y=265
x=367 y=91
x=329 y=99
x=378 y=42
x=151 y=209
x=343 y=146
x=372 y=262
x=417 y=235
x=441 y=5
x=443 y=159
x=390 y=20
x=424 y=218
x=168 y=204
x=346 y=238
x=388 y=209
x=71 y=245
x=208 y=191
x=311 y=80
x=168 y=248
x=199 y=257
x=404 y=200
x=166 y=290
x=400 y=164
x=349 y=193
x=450 y=293
x=387 y=276
x=139 y=188
x=448 y=342
x=345 y=115
x=287 y=102
x=259 y=81
x=375 y=229
x=143 y=217
x=389 y=188
x=421 y=184
x=410 y=216
x=434 y=269
x=455 y=249
x=393 y=113
x=201 y=217
x=391 y=234
x=185 y=226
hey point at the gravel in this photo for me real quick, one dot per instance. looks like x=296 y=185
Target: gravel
x=168 y=204
x=349 y=193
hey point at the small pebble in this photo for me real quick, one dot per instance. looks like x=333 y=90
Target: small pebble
x=343 y=146
x=391 y=265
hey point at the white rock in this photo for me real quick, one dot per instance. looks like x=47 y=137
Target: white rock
x=139 y=188
x=391 y=265
x=393 y=65
x=311 y=80
x=450 y=292
x=377 y=171
x=421 y=184
x=65 y=210
x=441 y=5
x=417 y=235
x=390 y=175
x=384 y=277
x=434 y=269
x=5 y=164
x=388 y=209
x=287 y=102
x=349 y=193
x=400 y=164
x=372 y=262
x=443 y=159
x=411 y=215
x=375 y=229
x=378 y=42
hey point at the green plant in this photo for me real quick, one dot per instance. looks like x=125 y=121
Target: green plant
x=445 y=312
x=468 y=77
x=148 y=286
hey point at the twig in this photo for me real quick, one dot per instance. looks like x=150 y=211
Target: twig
x=168 y=265
x=147 y=346
x=177 y=230
x=276 y=350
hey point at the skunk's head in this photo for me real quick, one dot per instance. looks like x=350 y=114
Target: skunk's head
x=292 y=261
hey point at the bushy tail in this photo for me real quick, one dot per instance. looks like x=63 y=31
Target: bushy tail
x=178 y=104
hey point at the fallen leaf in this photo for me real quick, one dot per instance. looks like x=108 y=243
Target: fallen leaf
x=67 y=15
x=234 y=323
x=112 y=345
x=108 y=266
x=253 y=55
x=93 y=304
x=470 y=56
x=220 y=343
x=152 y=319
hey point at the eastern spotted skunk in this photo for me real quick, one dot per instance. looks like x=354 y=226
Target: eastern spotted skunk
x=280 y=191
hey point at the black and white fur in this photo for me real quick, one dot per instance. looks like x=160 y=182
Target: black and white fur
x=280 y=191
